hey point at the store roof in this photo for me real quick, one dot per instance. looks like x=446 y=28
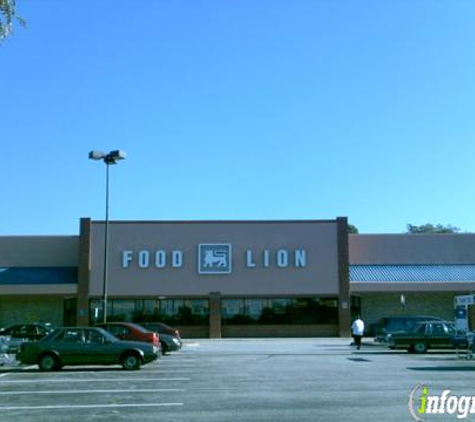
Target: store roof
x=417 y=273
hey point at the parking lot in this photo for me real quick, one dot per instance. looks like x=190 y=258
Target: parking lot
x=230 y=380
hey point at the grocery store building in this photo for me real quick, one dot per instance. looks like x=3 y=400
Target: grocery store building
x=232 y=278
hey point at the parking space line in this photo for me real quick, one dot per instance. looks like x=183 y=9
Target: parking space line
x=89 y=406
x=63 y=392
x=19 y=370
x=176 y=368
x=46 y=381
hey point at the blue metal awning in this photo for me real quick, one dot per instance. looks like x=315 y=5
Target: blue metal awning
x=415 y=273
x=38 y=275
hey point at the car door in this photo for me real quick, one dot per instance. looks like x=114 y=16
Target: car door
x=419 y=334
x=70 y=346
x=439 y=337
x=98 y=348
x=434 y=335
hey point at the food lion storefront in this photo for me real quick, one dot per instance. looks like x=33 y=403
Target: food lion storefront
x=235 y=278
x=219 y=279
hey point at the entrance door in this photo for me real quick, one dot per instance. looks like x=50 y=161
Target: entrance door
x=70 y=307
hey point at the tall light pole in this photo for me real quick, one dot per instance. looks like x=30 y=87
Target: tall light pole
x=111 y=158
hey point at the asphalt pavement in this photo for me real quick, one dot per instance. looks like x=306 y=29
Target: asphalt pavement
x=312 y=379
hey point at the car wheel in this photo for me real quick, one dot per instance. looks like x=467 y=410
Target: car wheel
x=131 y=361
x=164 y=348
x=48 y=362
x=420 y=348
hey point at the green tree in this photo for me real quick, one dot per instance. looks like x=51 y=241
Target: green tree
x=352 y=229
x=430 y=228
x=7 y=17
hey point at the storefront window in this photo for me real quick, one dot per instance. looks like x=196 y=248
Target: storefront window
x=169 y=311
x=232 y=307
x=280 y=311
x=122 y=310
x=233 y=311
x=254 y=308
x=150 y=307
x=184 y=311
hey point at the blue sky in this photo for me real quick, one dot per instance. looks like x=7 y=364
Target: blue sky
x=239 y=110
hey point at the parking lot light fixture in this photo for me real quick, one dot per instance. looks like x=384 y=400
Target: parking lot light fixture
x=111 y=158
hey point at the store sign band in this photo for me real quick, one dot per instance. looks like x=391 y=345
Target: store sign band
x=215 y=258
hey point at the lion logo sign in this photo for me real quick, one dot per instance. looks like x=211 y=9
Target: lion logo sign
x=214 y=258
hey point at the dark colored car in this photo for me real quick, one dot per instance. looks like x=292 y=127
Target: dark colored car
x=85 y=346
x=131 y=331
x=17 y=334
x=425 y=335
x=402 y=323
x=462 y=340
x=170 y=339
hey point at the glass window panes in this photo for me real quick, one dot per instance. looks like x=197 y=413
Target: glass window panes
x=169 y=311
x=123 y=310
x=94 y=337
x=72 y=335
x=150 y=307
x=182 y=311
x=254 y=307
x=280 y=311
x=232 y=307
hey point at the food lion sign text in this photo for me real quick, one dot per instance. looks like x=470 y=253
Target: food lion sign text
x=215 y=258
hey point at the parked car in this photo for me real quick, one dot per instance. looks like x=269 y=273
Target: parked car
x=463 y=340
x=425 y=335
x=131 y=331
x=85 y=346
x=402 y=323
x=170 y=339
x=15 y=335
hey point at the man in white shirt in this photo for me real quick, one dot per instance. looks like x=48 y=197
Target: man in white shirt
x=357 y=329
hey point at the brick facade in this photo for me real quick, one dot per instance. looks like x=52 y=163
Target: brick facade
x=376 y=305
x=17 y=310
